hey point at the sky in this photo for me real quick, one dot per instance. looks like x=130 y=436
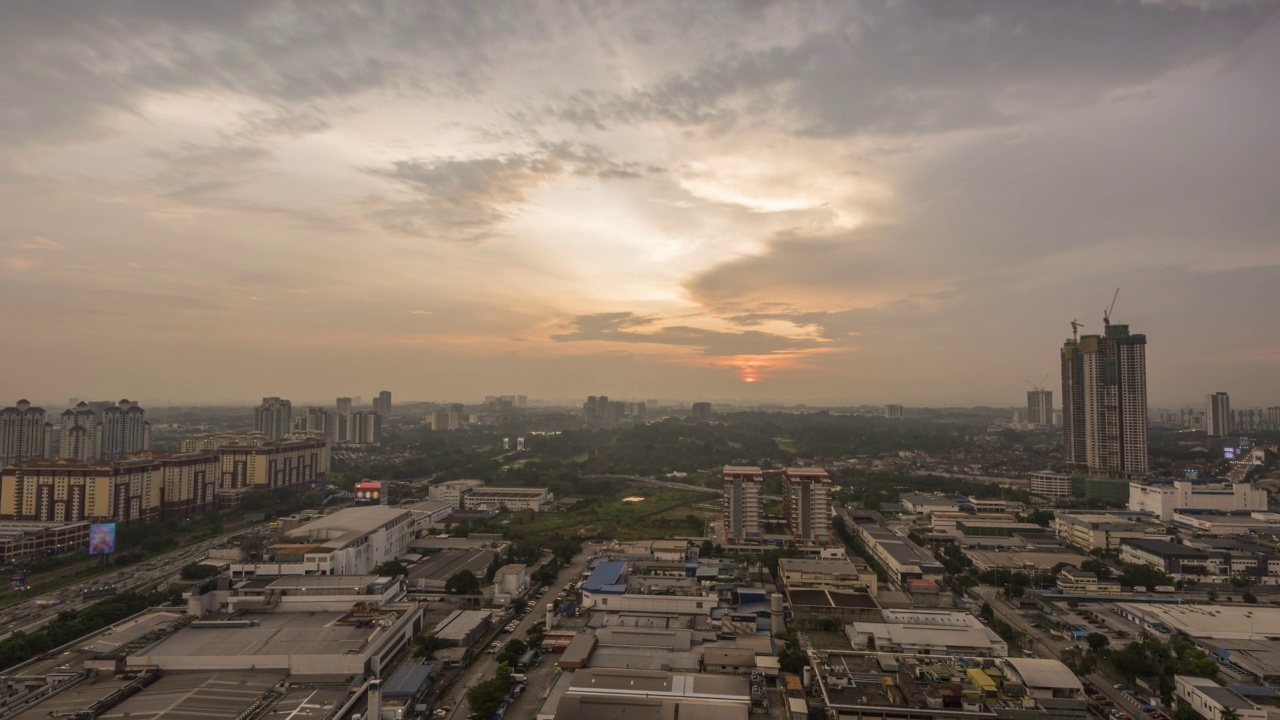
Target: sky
x=847 y=202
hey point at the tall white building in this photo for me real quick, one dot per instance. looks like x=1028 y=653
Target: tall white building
x=1217 y=414
x=1104 y=403
x=1040 y=407
x=25 y=434
x=893 y=412
x=124 y=430
x=273 y=418
x=806 y=500
x=743 y=503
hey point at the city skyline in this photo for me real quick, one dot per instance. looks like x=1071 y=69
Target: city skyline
x=860 y=203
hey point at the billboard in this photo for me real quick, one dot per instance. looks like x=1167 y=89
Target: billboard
x=102 y=538
x=369 y=492
x=1229 y=453
x=18 y=580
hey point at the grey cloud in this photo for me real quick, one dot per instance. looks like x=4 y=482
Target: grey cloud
x=194 y=172
x=466 y=199
x=920 y=67
x=621 y=327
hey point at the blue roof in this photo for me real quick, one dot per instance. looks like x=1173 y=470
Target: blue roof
x=1254 y=691
x=606 y=573
x=409 y=680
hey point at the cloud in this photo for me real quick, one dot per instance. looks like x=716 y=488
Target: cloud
x=35 y=242
x=421 y=312
x=467 y=199
x=622 y=327
x=195 y=172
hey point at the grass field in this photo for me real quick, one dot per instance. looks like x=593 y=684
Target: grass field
x=662 y=512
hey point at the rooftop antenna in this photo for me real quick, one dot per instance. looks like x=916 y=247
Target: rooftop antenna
x=1075 y=329
x=1106 y=315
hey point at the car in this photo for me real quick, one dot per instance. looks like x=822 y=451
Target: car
x=494 y=646
x=1119 y=686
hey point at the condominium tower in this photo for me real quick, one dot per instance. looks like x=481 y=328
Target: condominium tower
x=273 y=418
x=1217 y=414
x=1040 y=407
x=1104 y=403
x=806 y=500
x=743 y=503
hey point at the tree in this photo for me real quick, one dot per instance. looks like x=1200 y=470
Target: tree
x=1249 y=598
x=707 y=549
x=1229 y=714
x=1213 y=595
x=1098 y=642
x=426 y=646
x=197 y=571
x=463 y=582
x=486 y=696
x=391 y=569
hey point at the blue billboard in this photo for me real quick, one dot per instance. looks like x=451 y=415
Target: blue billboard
x=102 y=538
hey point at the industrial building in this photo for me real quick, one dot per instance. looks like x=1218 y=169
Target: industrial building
x=351 y=541
x=508 y=498
x=840 y=574
x=1092 y=530
x=927 y=632
x=1163 y=497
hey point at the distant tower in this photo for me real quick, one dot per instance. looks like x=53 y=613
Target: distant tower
x=344 y=406
x=382 y=403
x=743 y=503
x=273 y=418
x=1040 y=407
x=893 y=412
x=1104 y=402
x=1217 y=414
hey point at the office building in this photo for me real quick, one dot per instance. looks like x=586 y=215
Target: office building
x=273 y=418
x=893 y=412
x=382 y=403
x=25 y=433
x=743 y=503
x=1040 y=407
x=1217 y=414
x=213 y=441
x=1104 y=394
x=508 y=498
x=1092 y=530
x=806 y=501
x=451 y=492
x=1048 y=484
x=344 y=406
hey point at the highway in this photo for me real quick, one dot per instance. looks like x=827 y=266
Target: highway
x=31 y=615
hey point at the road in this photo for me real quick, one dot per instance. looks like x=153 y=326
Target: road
x=485 y=666
x=28 y=616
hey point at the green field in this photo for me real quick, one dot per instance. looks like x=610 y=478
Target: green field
x=662 y=513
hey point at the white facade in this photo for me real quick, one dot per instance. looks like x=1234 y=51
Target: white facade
x=806 y=501
x=508 y=498
x=1163 y=499
x=1050 y=484
x=451 y=491
x=743 y=503
x=1210 y=699
x=352 y=541
x=636 y=602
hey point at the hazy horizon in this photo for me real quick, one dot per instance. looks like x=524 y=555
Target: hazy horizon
x=853 y=203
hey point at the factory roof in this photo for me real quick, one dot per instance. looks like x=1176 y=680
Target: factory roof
x=1163 y=548
x=349 y=524
x=1041 y=673
x=409 y=680
x=805 y=597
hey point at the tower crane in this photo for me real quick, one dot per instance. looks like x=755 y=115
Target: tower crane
x=1075 y=329
x=1106 y=314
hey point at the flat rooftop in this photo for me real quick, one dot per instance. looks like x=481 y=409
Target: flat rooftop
x=987 y=559
x=348 y=524
x=807 y=597
x=842 y=566
x=442 y=565
x=278 y=634
x=75 y=699
x=121 y=635
x=196 y=696
x=1257 y=622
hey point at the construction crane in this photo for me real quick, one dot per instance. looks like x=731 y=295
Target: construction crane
x=1075 y=329
x=1106 y=314
x=1039 y=386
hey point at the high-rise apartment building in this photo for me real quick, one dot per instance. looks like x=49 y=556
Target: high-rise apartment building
x=289 y=462
x=124 y=430
x=1040 y=407
x=25 y=433
x=743 y=503
x=893 y=412
x=450 y=417
x=1217 y=414
x=382 y=403
x=273 y=418
x=1104 y=396
x=700 y=410
x=1273 y=417
x=806 y=500
x=344 y=406
x=364 y=428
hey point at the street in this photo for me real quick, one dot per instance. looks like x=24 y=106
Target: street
x=485 y=665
